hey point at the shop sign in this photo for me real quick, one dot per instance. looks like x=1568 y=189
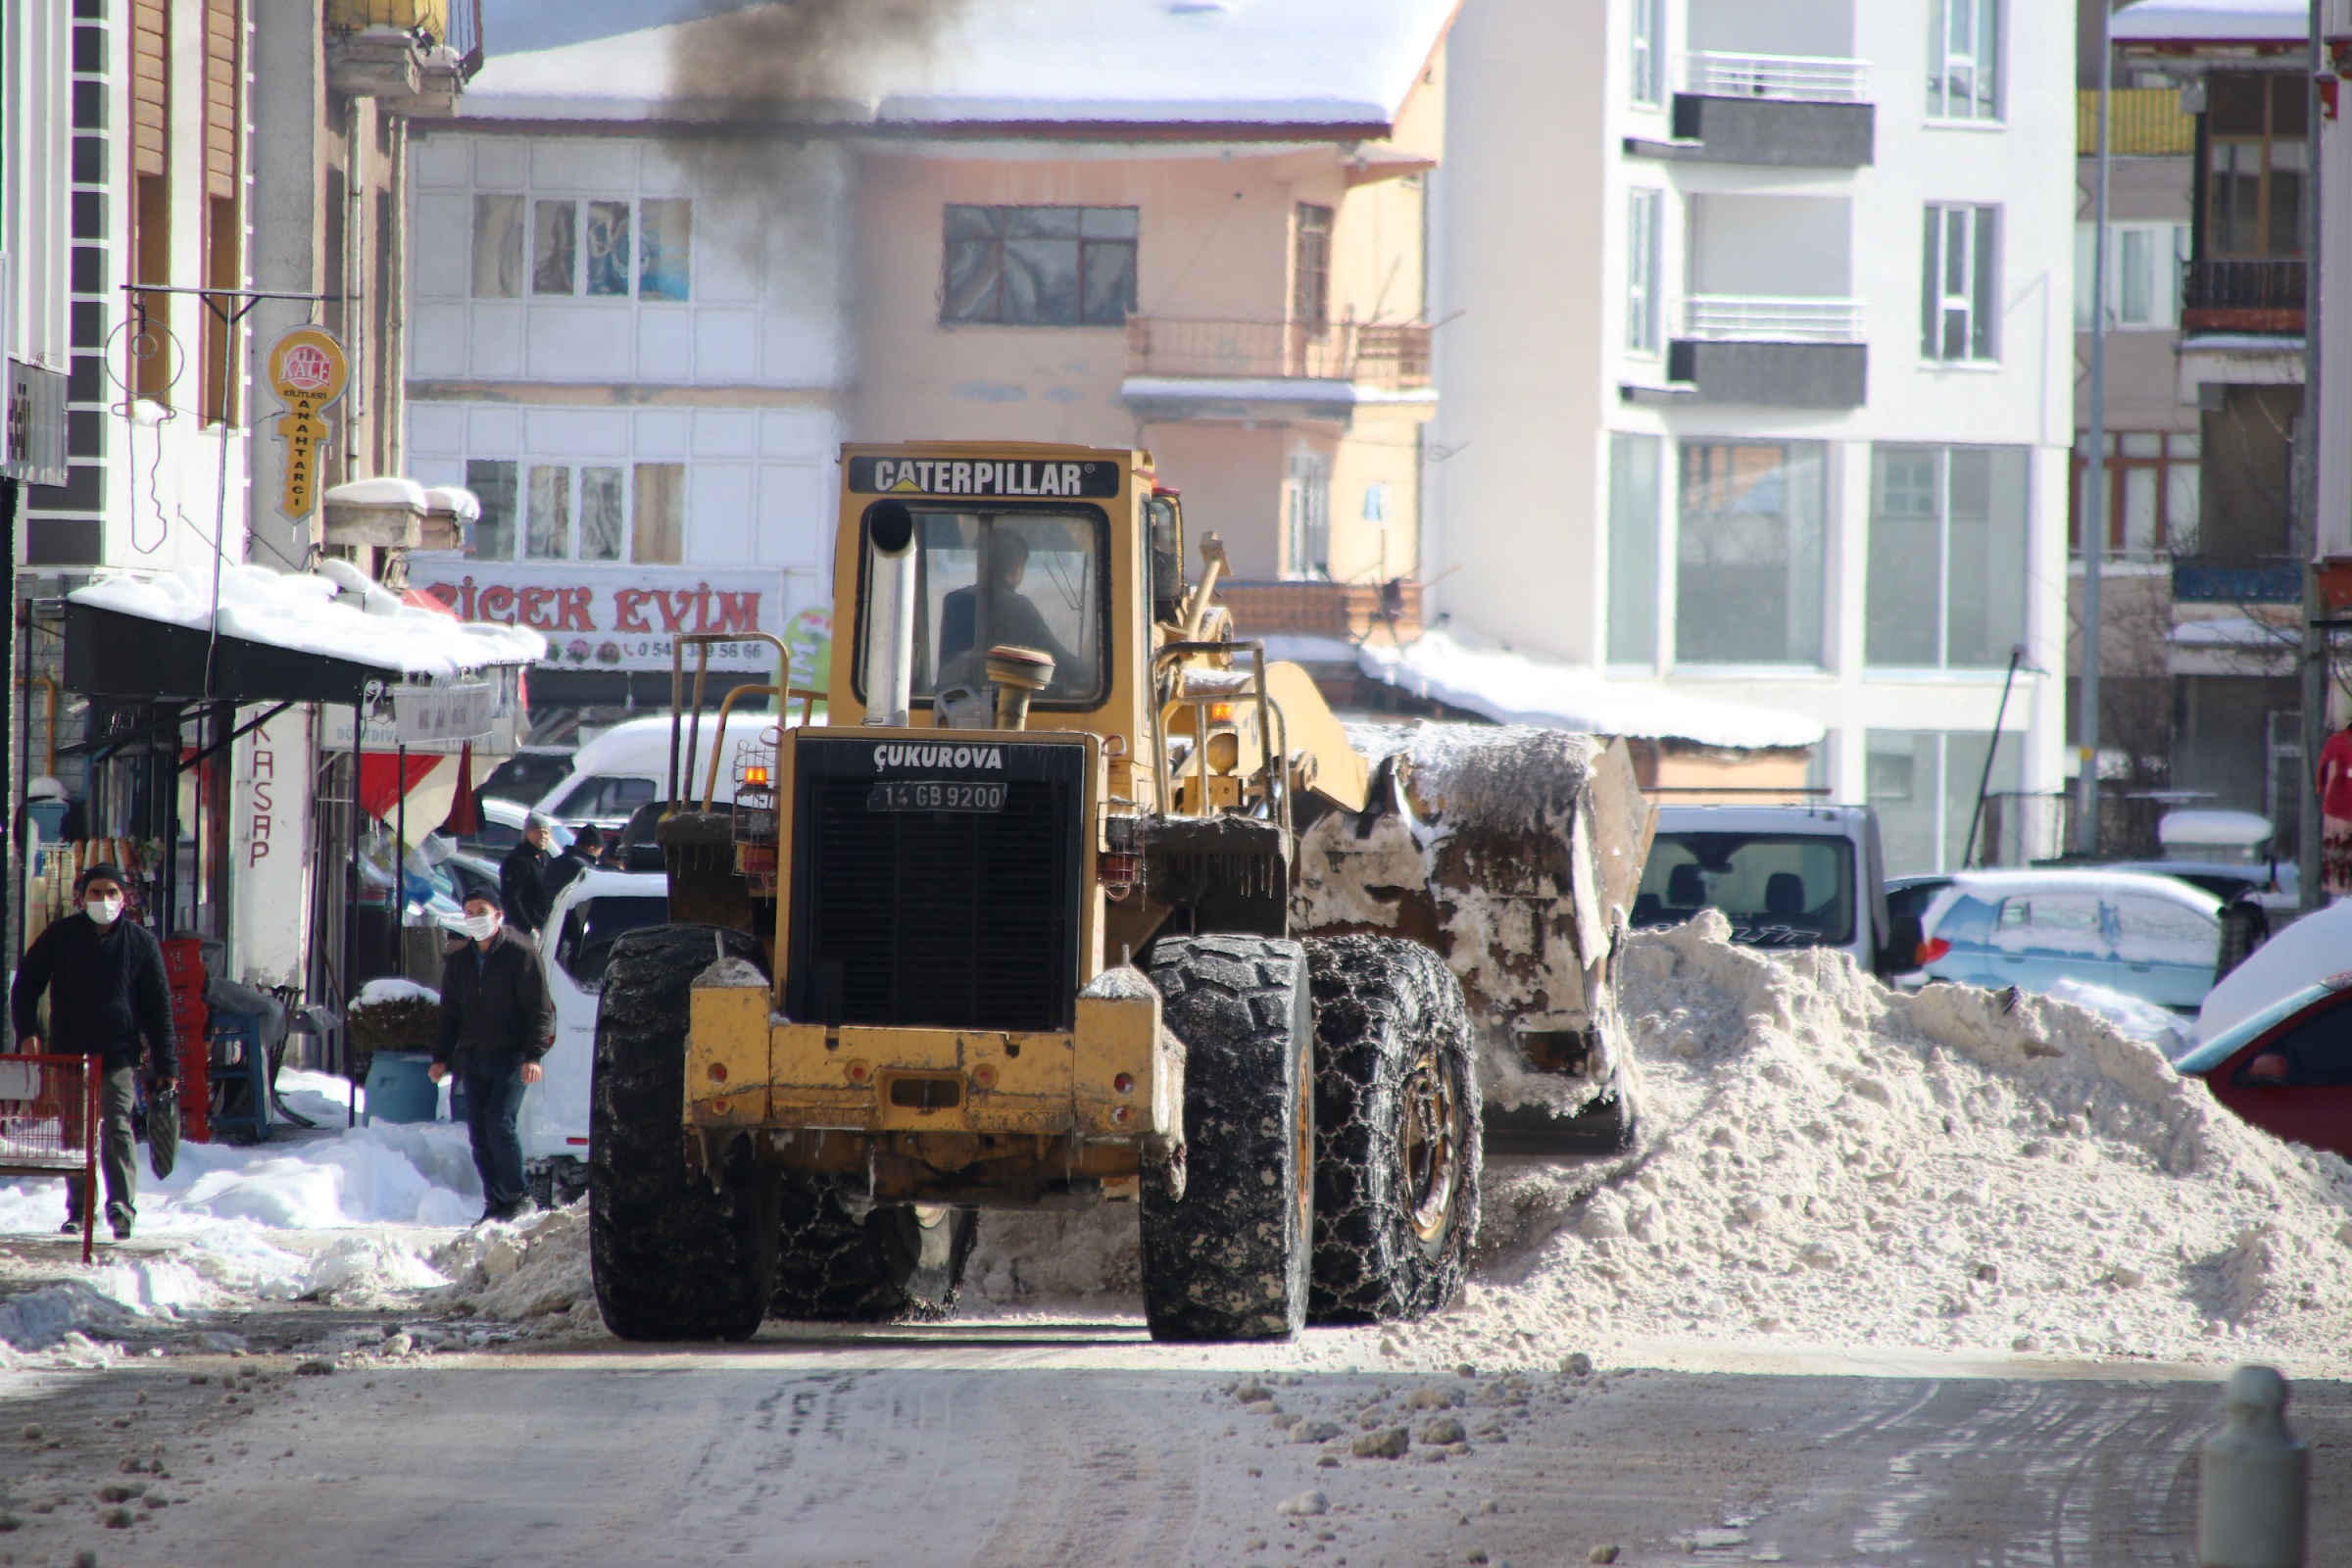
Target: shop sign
x=614 y=617
x=458 y=710
x=306 y=369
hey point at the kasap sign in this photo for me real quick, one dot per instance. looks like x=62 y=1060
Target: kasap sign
x=616 y=617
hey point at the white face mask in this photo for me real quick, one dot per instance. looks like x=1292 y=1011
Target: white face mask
x=104 y=911
x=482 y=927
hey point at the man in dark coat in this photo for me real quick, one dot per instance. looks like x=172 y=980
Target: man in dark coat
x=522 y=877
x=580 y=854
x=105 y=979
x=497 y=1021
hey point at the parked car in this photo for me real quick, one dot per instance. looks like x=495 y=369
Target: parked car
x=526 y=776
x=1785 y=876
x=2302 y=955
x=596 y=908
x=2151 y=937
x=2287 y=1067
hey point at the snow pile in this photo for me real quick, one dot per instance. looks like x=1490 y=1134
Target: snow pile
x=313 y=613
x=535 y=1268
x=1831 y=1161
x=2168 y=1031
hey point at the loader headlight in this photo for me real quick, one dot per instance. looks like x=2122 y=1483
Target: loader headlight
x=1224 y=751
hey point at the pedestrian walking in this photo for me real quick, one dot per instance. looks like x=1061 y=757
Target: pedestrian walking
x=497 y=1021
x=108 y=1000
x=583 y=853
x=522 y=878
x=2335 y=813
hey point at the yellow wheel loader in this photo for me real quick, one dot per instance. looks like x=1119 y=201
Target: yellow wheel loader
x=1071 y=898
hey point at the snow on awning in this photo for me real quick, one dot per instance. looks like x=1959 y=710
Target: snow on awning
x=1513 y=688
x=2215 y=22
x=352 y=632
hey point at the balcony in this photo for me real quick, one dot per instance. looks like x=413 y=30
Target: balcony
x=1183 y=367
x=2237 y=580
x=2259 y=296
x=1341 y=611
x=1729 y=317
x=2142 y=122
x=1793 y=78
x=414 y=57
x=1776 y=110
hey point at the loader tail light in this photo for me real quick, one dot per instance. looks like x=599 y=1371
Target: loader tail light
x=1119 y=873
x=1932 y=950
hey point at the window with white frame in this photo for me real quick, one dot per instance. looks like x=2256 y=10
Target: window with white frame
x=1307 y=517
x=2144 y=269
x=1648 y=36
x=1750 y=563
x=1961 y=284
x=579 y=512
x=1923 y=785
x=1964 y=60
x=1947 y=583
x=1645 y=222
x=563 y=245
x=1634 y=526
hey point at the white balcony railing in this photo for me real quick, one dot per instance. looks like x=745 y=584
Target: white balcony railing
x=1755 y=318
x=1806 y=78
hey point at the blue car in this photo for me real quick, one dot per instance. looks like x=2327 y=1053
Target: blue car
x=2151 y=937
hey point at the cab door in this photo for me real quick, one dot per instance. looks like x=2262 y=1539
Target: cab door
x=2165 y=951
x=2043 y=938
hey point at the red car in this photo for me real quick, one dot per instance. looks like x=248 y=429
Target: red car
x=2289 y=1068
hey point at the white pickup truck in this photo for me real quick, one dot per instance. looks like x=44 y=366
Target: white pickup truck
x=1785 y=876
x=589 y=914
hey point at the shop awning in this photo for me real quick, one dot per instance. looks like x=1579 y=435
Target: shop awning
x=324 y=637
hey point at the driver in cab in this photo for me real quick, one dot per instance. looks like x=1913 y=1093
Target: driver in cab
x=1012 y=618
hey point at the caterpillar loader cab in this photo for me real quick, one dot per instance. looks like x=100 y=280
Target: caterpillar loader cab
x=1013 y=928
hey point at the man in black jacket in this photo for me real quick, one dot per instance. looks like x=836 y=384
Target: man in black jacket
x=522 y=877
x=105 y=979
x=578 y=857
x=497 y=1020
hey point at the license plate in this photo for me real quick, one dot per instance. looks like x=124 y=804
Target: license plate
x=935 y=794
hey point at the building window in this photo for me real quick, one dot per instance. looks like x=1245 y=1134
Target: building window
x=1039 y=266
x=2255 y=158
x=601 y=249
x=1310 y=266
x=1632 y=607
x=1649 y=41
x=624 y=514
x=1307 y=517
x=1644 y=225
x=1946 y=585
x=1923 y=784
x=2152 y=495
x=1961 y=291
x=1750 y=567
x=1964 y=60
x=2144 y=264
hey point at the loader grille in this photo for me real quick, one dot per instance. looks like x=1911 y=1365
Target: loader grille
x=962 y=918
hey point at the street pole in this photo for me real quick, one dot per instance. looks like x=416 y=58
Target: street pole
x=2017 y=656
x=2307 y=452
x=2094 y=499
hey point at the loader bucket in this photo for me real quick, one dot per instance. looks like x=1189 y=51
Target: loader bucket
x=1515 y=854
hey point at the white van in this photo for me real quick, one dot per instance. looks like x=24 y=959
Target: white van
x=589 y=914
x=628 y=765
x=1785 y=876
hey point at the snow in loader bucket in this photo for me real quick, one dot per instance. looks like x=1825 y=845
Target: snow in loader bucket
x=49 y=1123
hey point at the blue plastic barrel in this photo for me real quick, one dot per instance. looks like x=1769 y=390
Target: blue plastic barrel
x=400 y=1086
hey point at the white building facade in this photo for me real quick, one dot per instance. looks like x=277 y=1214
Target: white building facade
x=1755 y=382
x=631 y=358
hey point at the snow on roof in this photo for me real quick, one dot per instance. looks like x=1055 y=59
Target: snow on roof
x=384 y=490
x=1514 y=688
x=2242 y=828
x=1309 y=63
x=313 y=614
x=2088 y=879
x=2230 y=631
x=2213 y=22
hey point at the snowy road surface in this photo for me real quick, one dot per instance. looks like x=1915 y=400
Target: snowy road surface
x=1075 y=1444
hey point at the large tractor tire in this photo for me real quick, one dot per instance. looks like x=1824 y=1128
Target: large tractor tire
x=900 y=1264
x=1396 y=1131
x=1227 y=1233
x=677 y=1254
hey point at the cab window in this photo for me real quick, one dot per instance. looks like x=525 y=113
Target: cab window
x=2318 y=1052
x=1777 y=890
x=594 y=925
x=1032 y=579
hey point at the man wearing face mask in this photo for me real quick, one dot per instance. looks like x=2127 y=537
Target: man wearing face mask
x=105 y=979
x=497 y=1020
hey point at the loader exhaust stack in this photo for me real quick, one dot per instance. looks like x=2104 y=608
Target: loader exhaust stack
x=889 y=643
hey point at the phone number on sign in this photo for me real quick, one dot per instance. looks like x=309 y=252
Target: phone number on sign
x=648 y=652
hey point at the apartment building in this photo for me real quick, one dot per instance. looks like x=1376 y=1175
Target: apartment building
x=642 y=319
x=1756 y=377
